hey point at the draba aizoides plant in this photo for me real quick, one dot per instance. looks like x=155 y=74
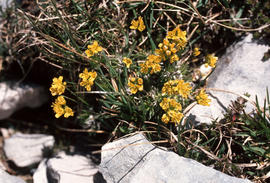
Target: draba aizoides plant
x=139 y=91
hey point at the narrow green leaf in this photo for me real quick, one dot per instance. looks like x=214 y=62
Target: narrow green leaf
x=239 y=13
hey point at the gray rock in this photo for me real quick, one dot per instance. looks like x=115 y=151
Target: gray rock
x=27 y=149
x=6 y=178
x=4 y=4
x=135 y=160
x=239 y=70
x=14 y=97
x=40 y=175
x=69 y=169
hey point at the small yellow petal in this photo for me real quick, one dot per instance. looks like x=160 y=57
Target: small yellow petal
x=134 y=24
x=196 y=52
x=68 y=112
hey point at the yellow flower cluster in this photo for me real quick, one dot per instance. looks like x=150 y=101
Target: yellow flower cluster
x=178 y=37
x=60 y=108
x=127 y=61
x=172 y=109
x=93 y=49
x=153 y=63
x=135 y=84
x=177 y=87
x=167 y=50
x=58 y=86
x=87 y=79
x=203 y=99
x=211 y=60
x=196 y=52
x=174 y=42
x=171 y=106
x=137 y=24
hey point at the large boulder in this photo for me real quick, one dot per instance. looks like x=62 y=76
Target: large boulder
x=136 y=160
x=67 y=169
x=40 y=175
x=27 y=149
x=240 y=70
x=16 y=96
x=6 y=178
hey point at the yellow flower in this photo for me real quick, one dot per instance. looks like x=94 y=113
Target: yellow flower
x=59 y=111
x=60 y=108
x=172 y=109
x=174 y=58
x=203 y=99
x=141 y=24
x=152 y=63
x=135 y=84
x=171 y=104
x=154 y=59
x=176 y=87
x=60 y=100
x=134 y=24
x=137 y=24
x=183 y=88
x=127 y=61
x=132 y=79
x=165 y=104
x=165 y=118
x=155 y=68
x=68 y=112
x=178 y=36
x=167 y=50
x=89 y=53
x=144 y=68
x=168 y=88
x=140 y=81
x=93 y=49
x=196 y=52
x=175 y=116
x=87 y=79
x=211 y=60
x=175 y=105
x=58 y=86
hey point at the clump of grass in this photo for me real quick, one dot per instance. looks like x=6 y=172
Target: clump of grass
x=237 y=145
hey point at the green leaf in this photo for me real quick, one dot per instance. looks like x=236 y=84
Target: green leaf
x=240 y=12
x=224 y=3
x=122 y=129
x=257 y=150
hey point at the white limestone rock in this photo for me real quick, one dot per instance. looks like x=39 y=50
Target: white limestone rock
x=69 y=169
x=40 y=175
x=14 y=97
x=6 y=178
x=205 y=70
x=239 y=70
x=4 y=4
x=135 y=160
x=27 y=149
